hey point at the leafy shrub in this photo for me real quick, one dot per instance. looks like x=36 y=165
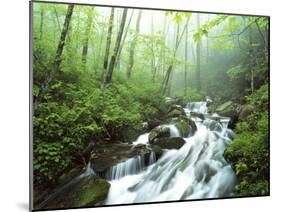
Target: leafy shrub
x=248 y=152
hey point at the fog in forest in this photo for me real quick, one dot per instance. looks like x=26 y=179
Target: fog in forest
x=141 y=105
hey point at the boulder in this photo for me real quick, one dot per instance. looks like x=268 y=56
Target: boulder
x=157 y=132
x=185 y=125
x=197 y=115
x=245 y=112
x=107 y=155
x=157 y=150
x=131 y=133
x=169 y=142
x=175 y=111
x=84 y=192
x=231 y=110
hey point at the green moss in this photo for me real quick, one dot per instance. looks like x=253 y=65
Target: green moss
x=94 y=192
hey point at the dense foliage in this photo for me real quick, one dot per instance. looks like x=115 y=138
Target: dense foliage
x=249 y=150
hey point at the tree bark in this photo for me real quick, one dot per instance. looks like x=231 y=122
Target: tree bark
x=57 y=61
x=133 y=46
x=108 y=75
x=108 y=42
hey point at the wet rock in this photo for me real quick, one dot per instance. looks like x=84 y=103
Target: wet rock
x=87 y=191
x=185 y=125
x=169 y=143
x=175 y=111
x=197 y=115
x=107 y=155
x=157 y=132
x=157 y=150
x=231 y=110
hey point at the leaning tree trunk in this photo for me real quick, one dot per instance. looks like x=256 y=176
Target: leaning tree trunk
x=198 y=51
x=167 y=77
x=117 y=64
x=86 y=39
x=108 y=75
x=133 y=46
x=57 y=61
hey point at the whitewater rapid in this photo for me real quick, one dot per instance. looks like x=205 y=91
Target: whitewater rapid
x=197 y=170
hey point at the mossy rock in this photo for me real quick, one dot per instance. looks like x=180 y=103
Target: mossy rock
x=157 y=150
x=157 y=132
x=185 y=125
x=175 y=111
x=169 y=143
x=87 y=191
x=245 y=112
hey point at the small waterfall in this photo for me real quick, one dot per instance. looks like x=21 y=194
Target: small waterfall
x=197 y=170
x=196 y=107
x=174 y=132
x=88 y=171
x=142 y=139
x=128 y=167
x=152 y=158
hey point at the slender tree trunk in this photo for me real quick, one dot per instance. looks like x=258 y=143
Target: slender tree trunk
x=57 y=60
x=108 y=42
x=170 y=68
x=86 y=39
x=123 y=41
x=198 y=52
x=167 y=77
x=57 y=18
x=108 y=76
x=186 y=58
x=251 y=56
x=133 y=46
x=42 y=23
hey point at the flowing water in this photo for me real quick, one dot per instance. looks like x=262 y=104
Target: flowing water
x=197 y=170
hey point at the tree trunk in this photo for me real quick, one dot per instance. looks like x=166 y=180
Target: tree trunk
x=57 y=18
x=170 y=67
x=108 y=42
x=86 y=39
x=108 y=75
x=123 y=41
x=41 y=23
x=57 y=60
x=167 y=77
x=185 y=65
x=132 y=47
x=198 y=51
x=251 y=56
